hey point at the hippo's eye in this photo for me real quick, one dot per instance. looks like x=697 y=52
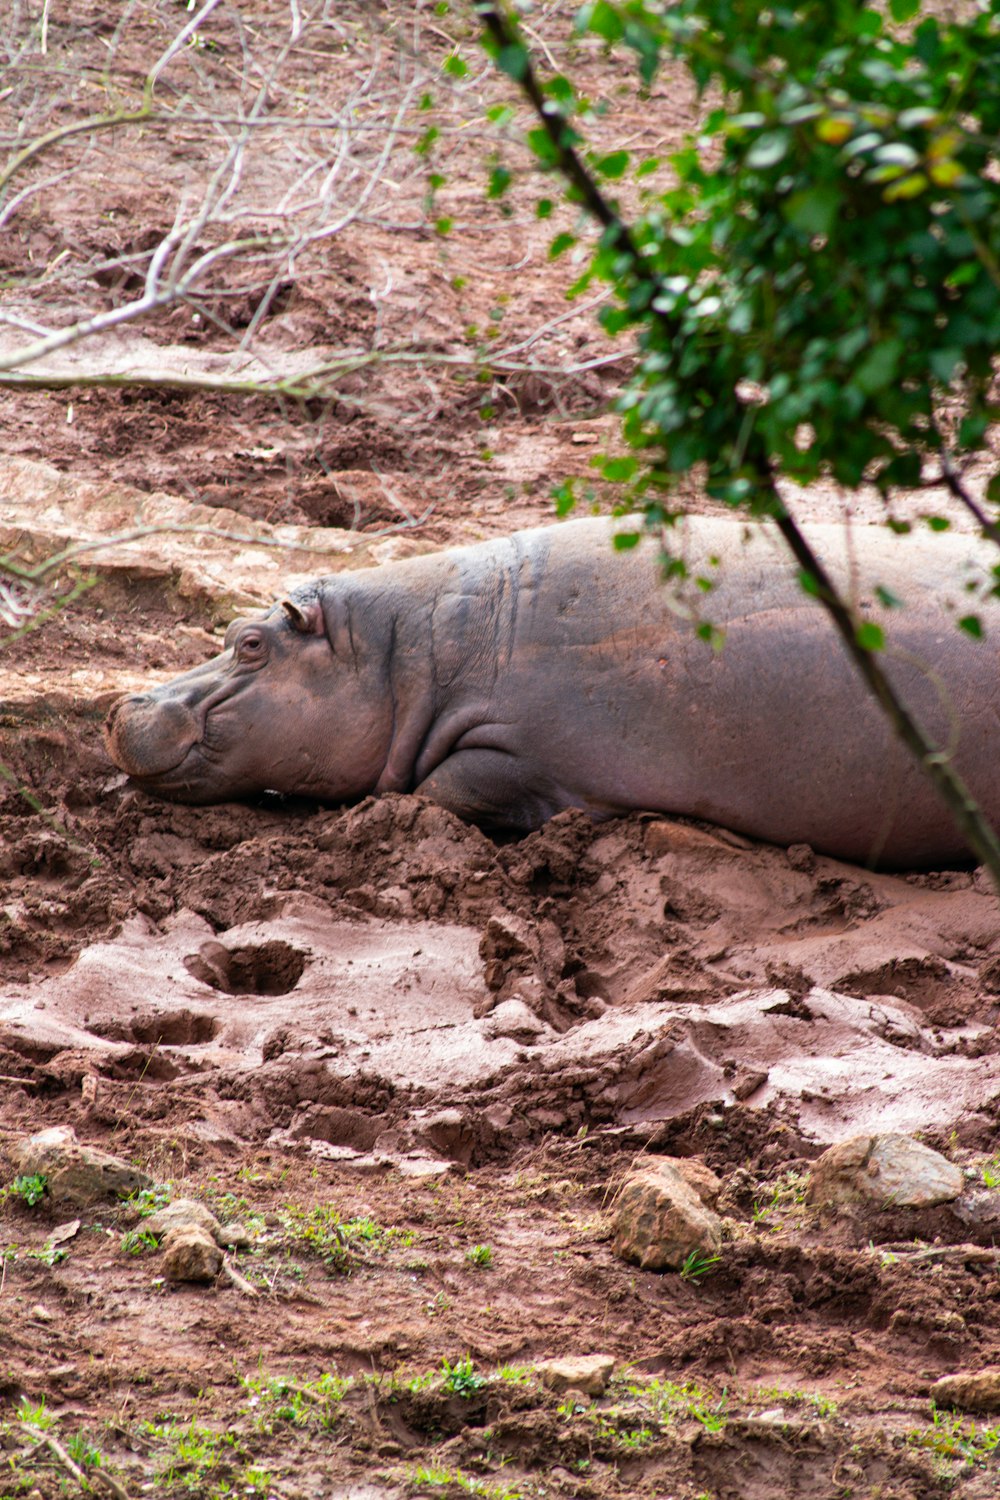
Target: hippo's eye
x=251 y=645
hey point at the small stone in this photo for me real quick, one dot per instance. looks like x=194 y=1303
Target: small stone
x=182 y=1213
x=977 y=1390
x=76 y=1174
x=661 y=1219
x=191 y=1254
x=512 y=1018
x=588 y=1373
x=891 y=1170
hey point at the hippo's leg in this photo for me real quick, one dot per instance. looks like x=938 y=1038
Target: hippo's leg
x=493 y=788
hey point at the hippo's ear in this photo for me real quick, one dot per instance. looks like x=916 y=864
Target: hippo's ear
x=307 y=619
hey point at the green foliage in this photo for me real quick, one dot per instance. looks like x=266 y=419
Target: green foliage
x=821 y=277
x=31 y=1190
x=480 y=1256
x=463 y=1378
x=138 y=1242
x=340 y=1243
x=953 y=1436
x=35 y=1415
x=697 y=1264
x=280 y=1400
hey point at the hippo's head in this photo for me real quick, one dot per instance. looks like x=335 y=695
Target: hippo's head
x=294 y=703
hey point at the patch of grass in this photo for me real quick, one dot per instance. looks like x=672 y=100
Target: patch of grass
x=435 y=1476
x=37 y=1415
x=138 y=1242
x=822 y=1405
x=954 y=1436
x=282 y=1400
x=463 y=1378
x=697 y=1265
x=147 y=1201
x=340 y=1243
x=514 y=1374
x=84 y=1452
x=666 y=1402
x=784 y=1198
x=191 y=1454
x=480 y=1256
x=990 y=1171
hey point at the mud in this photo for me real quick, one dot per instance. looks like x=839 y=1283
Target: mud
x=414 y=1061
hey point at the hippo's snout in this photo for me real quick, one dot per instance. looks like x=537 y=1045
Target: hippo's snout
x=147 y=736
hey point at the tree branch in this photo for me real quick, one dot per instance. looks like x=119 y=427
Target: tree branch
x=963 y=807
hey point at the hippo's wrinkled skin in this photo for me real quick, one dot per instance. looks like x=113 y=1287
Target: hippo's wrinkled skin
x=545 y=670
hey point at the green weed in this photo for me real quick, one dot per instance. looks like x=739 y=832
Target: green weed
x=480 y=1256
x=436 y=1477
x=697 y=1265
x=953 y=1436
x=463 y=1378
x=31 y=1190
x=35 y=1416
x=138 y=1242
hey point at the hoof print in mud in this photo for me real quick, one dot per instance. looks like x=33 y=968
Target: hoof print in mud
x=271 y=968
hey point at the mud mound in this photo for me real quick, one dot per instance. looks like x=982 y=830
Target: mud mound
x=386 y=977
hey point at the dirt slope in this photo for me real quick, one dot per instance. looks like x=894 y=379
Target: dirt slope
x=415 y=1063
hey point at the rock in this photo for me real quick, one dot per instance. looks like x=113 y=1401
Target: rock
x=661 y=1219
x=191 y=1254
x=76 y=1174
x=185 y=1212
x=699 y=1177
x=512 y=1018
x=182 y=1213
x=891 y=1171
x=977 y=1390
x=588 y=1373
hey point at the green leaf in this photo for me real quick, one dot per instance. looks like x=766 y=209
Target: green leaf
x=887 y=597
x=902 y=10
x=877 y=370
x=426 y=141
x=565 y=497
x=543 y=208
x=561 y=243
x=869 y=636
x=809 y=583
x=624 y=541
x=908 y=187
x=938 y=523
x=972 y=625
x=500 y=180
x=993 y=489
x=814 y=210
x=618 y=470
x=443 y=225
x=768 y=149
x=612 y=166
x=455 y=65
x=603 y=20
x=513 y=60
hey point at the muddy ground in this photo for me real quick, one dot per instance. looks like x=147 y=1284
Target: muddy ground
x=414 y=1062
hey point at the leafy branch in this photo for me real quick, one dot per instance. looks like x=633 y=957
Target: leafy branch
x=802 y=302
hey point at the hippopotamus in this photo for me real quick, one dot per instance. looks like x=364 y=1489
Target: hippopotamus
x=548 y=670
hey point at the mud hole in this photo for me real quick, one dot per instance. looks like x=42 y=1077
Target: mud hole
x=413 y=1062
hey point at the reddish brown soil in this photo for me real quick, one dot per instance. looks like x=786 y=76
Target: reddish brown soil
x=379 y=1017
